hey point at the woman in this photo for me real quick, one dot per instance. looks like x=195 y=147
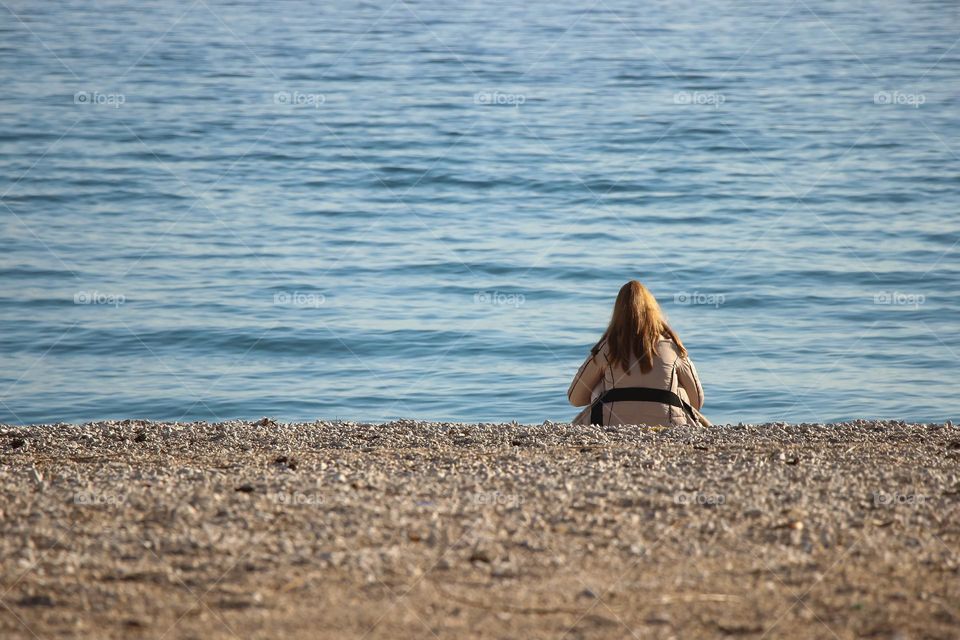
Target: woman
x=639 y=372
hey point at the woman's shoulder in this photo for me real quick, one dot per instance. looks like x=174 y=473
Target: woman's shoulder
x=666 y=345
x=601 y=349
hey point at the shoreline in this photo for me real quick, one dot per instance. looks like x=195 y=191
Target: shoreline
x=413 y=529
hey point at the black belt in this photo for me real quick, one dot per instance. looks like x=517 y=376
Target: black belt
x=638 y=394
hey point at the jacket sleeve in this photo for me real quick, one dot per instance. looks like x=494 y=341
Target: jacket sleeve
x=690 y=381
x=589 y=374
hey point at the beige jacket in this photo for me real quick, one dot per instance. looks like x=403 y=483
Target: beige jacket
x=670 y=372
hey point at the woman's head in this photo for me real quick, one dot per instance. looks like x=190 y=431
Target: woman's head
x=636 y=325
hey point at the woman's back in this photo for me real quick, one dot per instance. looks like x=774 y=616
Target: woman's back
x=671 y=372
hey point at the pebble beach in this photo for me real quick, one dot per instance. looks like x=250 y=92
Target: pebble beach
x=138 y=529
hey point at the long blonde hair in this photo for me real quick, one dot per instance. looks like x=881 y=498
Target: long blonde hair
x=636 y=325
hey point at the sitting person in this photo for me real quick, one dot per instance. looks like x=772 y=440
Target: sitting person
x=639 y=371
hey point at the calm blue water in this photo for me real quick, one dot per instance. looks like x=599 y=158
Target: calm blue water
x=334 y=209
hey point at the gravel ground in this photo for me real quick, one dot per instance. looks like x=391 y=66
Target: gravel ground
x=137 y=529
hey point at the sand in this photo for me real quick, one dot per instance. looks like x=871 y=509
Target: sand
x=136 y=529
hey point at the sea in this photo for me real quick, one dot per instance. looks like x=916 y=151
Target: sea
x=306 y=209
